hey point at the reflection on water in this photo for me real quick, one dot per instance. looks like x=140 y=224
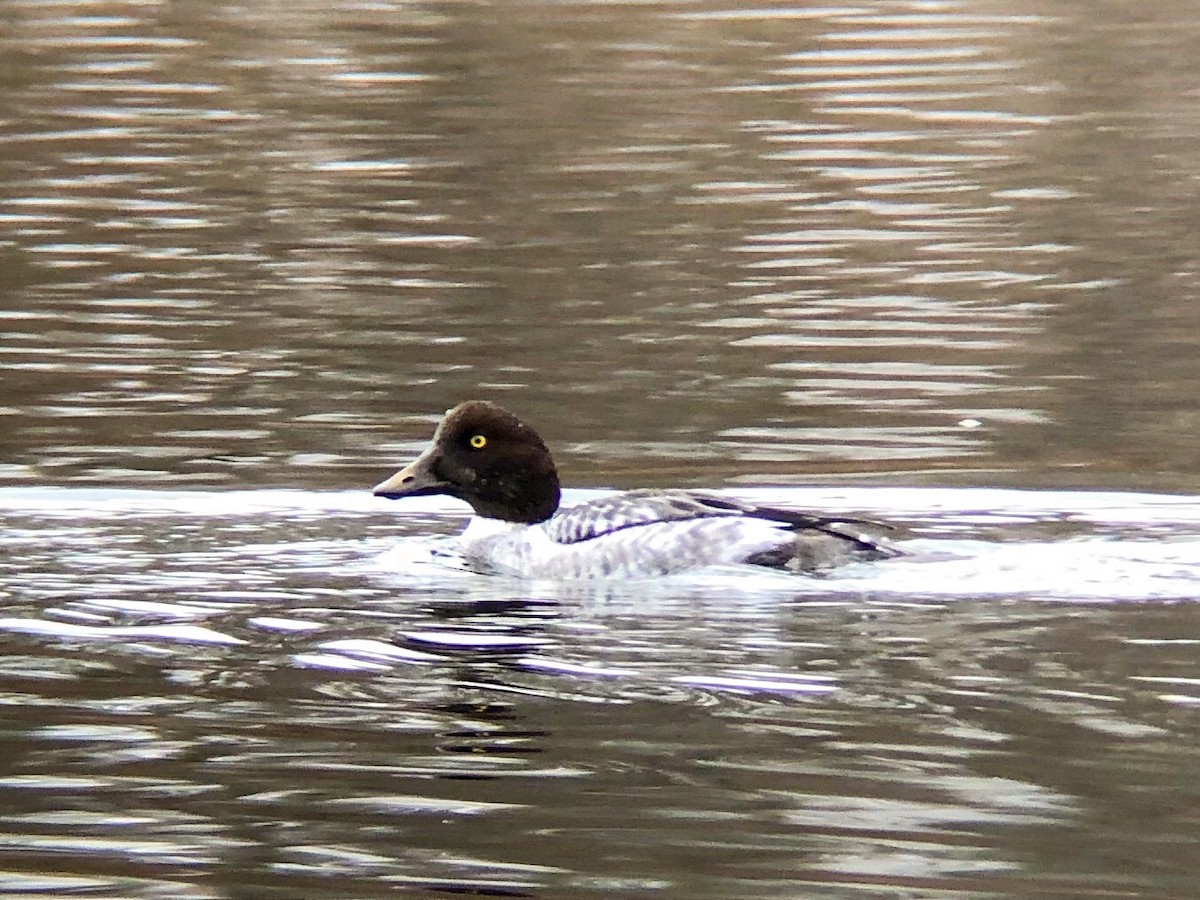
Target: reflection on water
x=291 y=691
x=240 y=246
x=695 y=244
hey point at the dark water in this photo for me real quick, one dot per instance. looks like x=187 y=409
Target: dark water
x=936 y=263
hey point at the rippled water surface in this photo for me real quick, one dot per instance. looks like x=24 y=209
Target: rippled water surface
x=930 y=262
x=291 y=694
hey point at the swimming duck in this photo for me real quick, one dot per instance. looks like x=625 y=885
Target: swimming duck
x=485 y=456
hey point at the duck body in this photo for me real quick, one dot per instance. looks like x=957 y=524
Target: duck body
x=485 y=456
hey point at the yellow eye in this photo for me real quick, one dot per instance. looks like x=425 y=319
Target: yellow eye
x=478 y=441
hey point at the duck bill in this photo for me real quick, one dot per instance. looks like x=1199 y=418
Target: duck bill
x=417 y=479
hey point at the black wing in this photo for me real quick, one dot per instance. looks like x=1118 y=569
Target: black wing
x=608 y=514
x=834 y=526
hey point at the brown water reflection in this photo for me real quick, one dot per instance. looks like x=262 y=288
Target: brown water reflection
x=244 y=245
x=768 y=241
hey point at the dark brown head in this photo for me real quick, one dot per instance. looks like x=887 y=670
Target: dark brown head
x=483 y=454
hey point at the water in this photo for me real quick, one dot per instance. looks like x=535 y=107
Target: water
x=287 y=693
x=754 y=242
x=933 y=263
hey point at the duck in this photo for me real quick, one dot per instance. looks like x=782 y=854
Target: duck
x=485 y=456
